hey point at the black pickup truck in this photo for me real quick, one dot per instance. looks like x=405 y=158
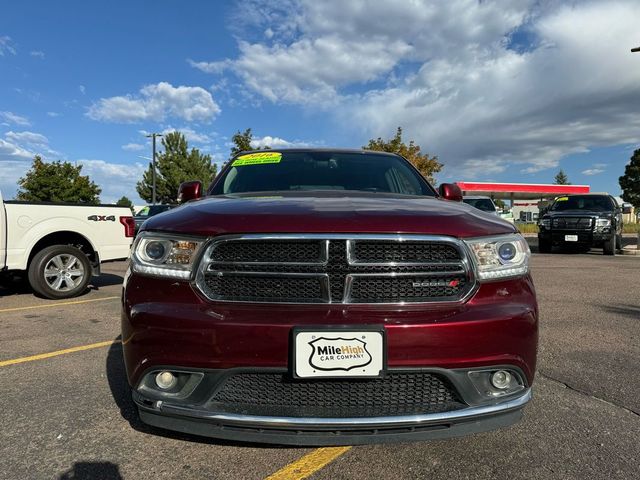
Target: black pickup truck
x=584 y=221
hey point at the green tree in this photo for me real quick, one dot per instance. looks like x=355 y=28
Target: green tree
x=57 y=182
x=124 y=201
x=174 y=165
x=630 y=181
x=499 y=203
x=561 y=178
x=242 y=143
x=427 y=165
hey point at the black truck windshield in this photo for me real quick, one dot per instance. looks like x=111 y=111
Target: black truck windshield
x=593 y=203
x=271 y=171
x=484 y=204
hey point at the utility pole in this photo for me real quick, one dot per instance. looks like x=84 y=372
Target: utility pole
x=153 y=163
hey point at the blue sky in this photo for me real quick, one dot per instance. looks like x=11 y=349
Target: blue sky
x=500 y=91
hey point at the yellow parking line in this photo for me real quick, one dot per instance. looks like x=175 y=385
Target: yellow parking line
x=57 y=304
x=309 y=464
x=42 y=356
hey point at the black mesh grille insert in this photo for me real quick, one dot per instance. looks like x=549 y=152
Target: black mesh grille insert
x=372 y=251
x=269 y=270
x=266 y=288
x=398 y=393
x=407 y=289
x=572 y=223
x=291 y=251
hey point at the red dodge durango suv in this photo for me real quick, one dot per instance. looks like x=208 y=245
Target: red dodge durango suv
x=323 y=297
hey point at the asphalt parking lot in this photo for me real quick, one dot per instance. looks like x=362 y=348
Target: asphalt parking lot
x=70 y=416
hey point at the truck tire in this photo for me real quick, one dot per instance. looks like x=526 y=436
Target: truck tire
x=544 y=246
x=59 y=271
x=609 y=246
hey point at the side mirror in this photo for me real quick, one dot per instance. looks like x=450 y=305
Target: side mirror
x=450 y=191
x=626 y=208
x=189 y=191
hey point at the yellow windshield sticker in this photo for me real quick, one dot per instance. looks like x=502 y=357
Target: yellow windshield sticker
x=261 y=158
x=562 y=199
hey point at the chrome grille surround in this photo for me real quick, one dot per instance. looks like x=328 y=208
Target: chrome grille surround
x=335 y=276
x=572 y=223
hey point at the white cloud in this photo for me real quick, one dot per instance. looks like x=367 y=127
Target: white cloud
x=27 y=137
x=190 y=134
x=82 y=89
x=211 y=67
x=156 y=102
x=25 y=145
x=277 y=142
x=133 y=147
x=53 y=114
x=595 y=170
x=10 y=151
x=448 y=73
x=37 y=54
x=12 y=118
x=115 y=179
x=6 y=46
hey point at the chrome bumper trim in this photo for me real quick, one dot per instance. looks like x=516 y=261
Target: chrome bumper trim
x=465 y=414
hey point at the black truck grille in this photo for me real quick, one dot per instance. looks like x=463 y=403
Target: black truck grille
x=277 y=394
x=572 y=223
x=335 y=270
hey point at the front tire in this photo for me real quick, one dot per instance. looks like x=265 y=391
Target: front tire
x=544 y=246
x=609 y=247
x=59 y=271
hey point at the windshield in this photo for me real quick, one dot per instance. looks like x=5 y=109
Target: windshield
x=151 y=210
x=484 y=204
x=595 y=203
x=320 y=170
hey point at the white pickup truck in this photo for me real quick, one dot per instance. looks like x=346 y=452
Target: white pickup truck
x=60 y=246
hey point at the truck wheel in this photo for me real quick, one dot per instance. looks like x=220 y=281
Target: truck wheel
x=544 y=246
x=59 y=271
x=609 y=247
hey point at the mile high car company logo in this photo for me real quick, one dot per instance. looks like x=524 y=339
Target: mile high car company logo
x=339 y=354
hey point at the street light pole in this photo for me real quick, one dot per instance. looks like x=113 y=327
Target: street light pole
x=637 y=49
x=153 y=163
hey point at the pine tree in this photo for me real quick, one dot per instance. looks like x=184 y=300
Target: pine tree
x=630 y=181
x=176 y=164
x=561 y=178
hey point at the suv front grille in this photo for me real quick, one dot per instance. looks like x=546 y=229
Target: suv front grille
x=335 y=269
x=397 y=393
x=572 y=223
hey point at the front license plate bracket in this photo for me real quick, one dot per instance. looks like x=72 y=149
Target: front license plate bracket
x=338 y=352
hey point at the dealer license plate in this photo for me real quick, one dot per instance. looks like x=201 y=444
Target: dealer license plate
x=338 y=353
x=571 y=238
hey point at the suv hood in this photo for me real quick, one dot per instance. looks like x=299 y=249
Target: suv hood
x=327 y=212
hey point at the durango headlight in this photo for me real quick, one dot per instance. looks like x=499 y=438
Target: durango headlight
x=603 y=223
x=545 y=222
x=500 y=257
x=165 y=255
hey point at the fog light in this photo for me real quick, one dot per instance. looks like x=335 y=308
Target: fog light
x=501 y=379
x=166 y=380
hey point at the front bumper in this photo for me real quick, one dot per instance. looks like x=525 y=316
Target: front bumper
x=167 y=324
x=587 y=237
x=204 y=419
